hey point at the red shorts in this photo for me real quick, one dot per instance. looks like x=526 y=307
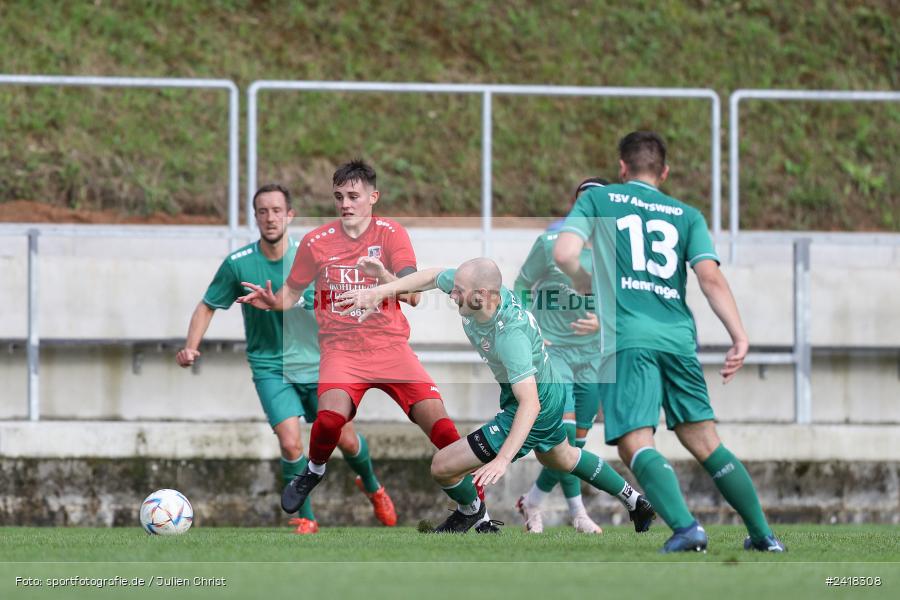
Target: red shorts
x=395 y=370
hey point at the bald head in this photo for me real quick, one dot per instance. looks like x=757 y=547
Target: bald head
x=480 y=273
x=476 y=288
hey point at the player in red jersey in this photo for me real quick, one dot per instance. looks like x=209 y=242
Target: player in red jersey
x=358 y=251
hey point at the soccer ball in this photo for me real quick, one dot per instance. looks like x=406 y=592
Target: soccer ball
x=166 y=512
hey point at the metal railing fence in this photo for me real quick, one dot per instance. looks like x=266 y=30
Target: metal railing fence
x=161 y=83
x=487 y=92
x=734 y=102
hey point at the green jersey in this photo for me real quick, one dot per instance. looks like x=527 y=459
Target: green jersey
x=511 y=345
x=643 y=241
x=285 y=343
x=549 y=295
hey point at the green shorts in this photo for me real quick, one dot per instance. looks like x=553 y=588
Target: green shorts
x=647 y=380
x=579 y=369
x=282 y=399
x=546 y=433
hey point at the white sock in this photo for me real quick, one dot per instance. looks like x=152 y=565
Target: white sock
x=535 y=496
x=576 y=505
x=629 y=497
x=317 y=469
x=470 y=509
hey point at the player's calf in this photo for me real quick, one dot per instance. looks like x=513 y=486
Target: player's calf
x=593 y=470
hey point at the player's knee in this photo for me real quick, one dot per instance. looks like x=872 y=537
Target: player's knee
x=291 y=449
x=701 y=439
x=440 y=468
x=349 y=442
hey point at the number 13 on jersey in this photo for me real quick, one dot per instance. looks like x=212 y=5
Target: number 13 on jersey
x=665 y=247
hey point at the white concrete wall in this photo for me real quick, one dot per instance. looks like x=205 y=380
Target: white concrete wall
x=143 y=288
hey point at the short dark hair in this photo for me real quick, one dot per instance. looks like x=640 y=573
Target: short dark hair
x=643 y=152
x=355 y=170
x=273 y=187
x=589 y=183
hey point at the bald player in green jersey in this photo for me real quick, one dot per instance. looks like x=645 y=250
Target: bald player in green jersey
x=643 y=241
x=571 y=331
x=283 y=351
x=531 y=398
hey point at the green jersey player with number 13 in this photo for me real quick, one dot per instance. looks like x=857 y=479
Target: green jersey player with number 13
x=643 y=241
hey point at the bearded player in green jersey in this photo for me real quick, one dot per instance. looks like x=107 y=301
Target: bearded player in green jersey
x=643 y=241
x=531 y=398
x=570 y=328
x=283 y=351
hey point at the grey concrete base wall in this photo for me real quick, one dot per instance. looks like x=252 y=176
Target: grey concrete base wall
x=244 y=492
x=97 y=473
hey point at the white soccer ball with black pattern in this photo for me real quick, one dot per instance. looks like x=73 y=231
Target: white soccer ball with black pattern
x=166 y=512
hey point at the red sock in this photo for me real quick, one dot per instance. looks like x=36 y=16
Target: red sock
x=443 y=433
x=323 y=439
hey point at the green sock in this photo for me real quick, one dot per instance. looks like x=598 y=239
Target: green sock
x=548 y=478
x=362 y=465
x=732 y=479
x=660 y=484
x=289 y=470
x=594 y=470
x=464 y=492
x=570 y=484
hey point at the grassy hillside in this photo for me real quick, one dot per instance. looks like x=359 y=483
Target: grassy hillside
x=816 y=166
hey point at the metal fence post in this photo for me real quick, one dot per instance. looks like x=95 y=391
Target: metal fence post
x=34 y=357
x=487 y=158
x=802 y=349
x=234 y=113
x=251 y=153
x=734 y=166
x=716 y=167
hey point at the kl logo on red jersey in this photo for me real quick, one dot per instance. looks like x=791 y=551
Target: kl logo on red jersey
x=343 y=278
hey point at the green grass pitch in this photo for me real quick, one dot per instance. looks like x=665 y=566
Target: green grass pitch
x=402 y=563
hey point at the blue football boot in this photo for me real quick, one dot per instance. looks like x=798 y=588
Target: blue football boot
x=770 y=543
x=688 y=539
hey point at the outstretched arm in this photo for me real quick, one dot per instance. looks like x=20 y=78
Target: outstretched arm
x=526 y=393
x=567 y=255
x=721 y=300
x=368 y=299
x=373 y=267
x=200 y=320
x=263 y=297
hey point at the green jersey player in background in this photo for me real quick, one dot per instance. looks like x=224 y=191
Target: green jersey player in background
x=283 y=351
x=531 y=398
x=570 y=328
x=643 y=241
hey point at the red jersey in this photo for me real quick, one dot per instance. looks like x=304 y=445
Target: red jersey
x=327 y=255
